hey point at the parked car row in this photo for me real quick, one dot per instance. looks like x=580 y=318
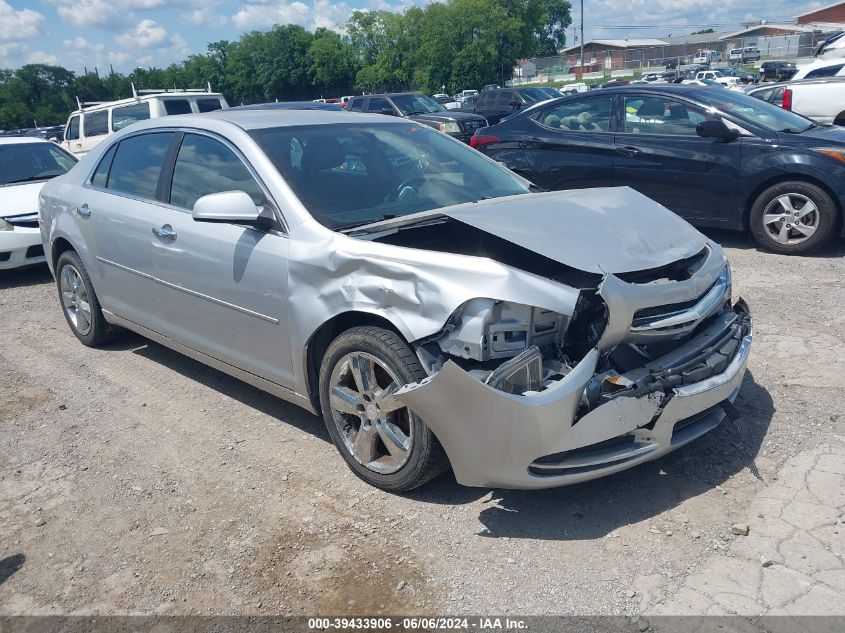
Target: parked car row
x=822 y=100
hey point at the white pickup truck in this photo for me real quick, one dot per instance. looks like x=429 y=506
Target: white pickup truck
x=718 y=77
x=822 y=100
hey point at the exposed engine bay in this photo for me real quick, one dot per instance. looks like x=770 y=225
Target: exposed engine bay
x=522 y=349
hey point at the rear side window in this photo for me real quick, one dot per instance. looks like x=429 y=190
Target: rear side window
x=127 y=115
x=588 y=115
x=357 y=105
x=96 y=123
x=137 y=164
x=72 y=133
x=205 y=166
x=208 y=105
x=177 y=106
x=830 y=71
x=504 y=99
x=101 y=174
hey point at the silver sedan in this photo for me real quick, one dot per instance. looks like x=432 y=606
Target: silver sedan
x=433 y=307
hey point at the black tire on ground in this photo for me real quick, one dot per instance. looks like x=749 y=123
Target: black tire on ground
x=100 y=331
x=427 y=458
x=828 y=217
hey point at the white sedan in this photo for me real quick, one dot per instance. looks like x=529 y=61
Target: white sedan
x=25 y=165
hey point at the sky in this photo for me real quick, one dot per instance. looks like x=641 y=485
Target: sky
x=125 y=34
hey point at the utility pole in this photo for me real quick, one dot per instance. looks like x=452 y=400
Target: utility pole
x=582 y=40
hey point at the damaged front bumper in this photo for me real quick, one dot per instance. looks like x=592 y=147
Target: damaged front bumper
x=538 y=440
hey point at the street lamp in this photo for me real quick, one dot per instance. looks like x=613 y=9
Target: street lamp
x=582 y=40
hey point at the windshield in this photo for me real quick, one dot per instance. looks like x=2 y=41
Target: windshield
x=533 y=95
x=417 y=104
x=353 y=174
x=755 y=111
x=31 y=162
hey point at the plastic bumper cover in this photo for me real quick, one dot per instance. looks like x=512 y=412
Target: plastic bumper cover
x=16 y=244
x=498 y=439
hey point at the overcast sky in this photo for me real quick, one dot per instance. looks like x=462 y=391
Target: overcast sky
x=130 y=33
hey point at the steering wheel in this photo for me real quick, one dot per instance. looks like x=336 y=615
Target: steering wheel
x=409 y=185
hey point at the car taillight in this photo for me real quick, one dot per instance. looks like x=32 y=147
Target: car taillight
x=481 y=140
x=787 y=99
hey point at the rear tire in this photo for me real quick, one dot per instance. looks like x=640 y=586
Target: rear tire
x=793 y=218
x=79 y=302
x=383 y=443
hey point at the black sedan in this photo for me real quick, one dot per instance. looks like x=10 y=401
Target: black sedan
x=716 y=157
x=422 y=109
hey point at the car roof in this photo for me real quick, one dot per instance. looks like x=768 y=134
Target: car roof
x=20 y=140
x=392 y=94
x=260 y=119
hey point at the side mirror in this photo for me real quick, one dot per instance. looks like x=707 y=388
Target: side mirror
x=715 y=129
x=387 y=111
x=227 y=206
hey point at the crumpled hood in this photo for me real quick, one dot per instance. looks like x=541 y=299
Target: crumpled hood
x=19 y=199
x=609 y=229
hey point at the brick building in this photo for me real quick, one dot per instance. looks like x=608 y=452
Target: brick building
x=832 y=13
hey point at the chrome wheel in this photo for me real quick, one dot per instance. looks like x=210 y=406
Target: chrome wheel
x=375 y=427
x=791 y=218
x=75 y=300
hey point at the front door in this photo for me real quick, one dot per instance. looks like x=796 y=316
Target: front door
x=223 y=287
x=660 y=155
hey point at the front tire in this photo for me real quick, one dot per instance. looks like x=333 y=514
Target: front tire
x=381 y=440
x=793 y=218
x=79 y=302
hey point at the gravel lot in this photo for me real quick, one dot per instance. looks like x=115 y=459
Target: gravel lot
x=134 y=480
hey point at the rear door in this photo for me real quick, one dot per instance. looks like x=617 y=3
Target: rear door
x=660 y=155
x=223 y=287
x=571 y=144
x=72 y=142
x=118 y=211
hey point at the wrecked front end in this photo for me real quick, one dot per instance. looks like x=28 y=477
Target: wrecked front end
x=522 y=397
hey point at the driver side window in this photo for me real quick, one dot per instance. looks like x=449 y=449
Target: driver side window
x=658 y=115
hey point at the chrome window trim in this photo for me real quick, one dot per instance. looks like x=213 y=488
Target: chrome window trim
x=277 y=213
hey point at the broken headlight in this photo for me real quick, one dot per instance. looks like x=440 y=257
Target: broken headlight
x=486 y=329
x=725 y=277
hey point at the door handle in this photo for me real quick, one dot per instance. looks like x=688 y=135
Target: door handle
x=165 y=233
x=83 y=211
x=629 y=151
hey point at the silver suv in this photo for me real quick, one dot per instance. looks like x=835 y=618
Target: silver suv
x=420 y=297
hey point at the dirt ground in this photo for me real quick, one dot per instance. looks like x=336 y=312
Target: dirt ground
x=135 y=480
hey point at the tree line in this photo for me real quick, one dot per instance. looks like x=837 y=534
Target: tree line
x=445 y=46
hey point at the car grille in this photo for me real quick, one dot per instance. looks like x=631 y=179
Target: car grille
x=29 y=220
x=471 y=126
x=680 y=316
x=35 y=251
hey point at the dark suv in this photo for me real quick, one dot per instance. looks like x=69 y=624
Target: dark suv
x=495 y=105
x=778 y=71
x=423 y=109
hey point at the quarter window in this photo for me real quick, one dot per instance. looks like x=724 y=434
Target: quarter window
x=72 y=133
x=205 y=166
x=137 y=164
x=127 y=115
x=177 y=106
x=589 y=115
x=656 y=115
x=101 y=174
x=96 y=123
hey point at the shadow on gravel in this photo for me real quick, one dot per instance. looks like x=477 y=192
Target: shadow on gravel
x=232 y=387
x=30 y=276
x=744 y=241
x=10 y=565
x=596 y=508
